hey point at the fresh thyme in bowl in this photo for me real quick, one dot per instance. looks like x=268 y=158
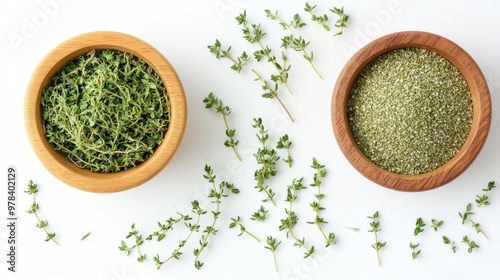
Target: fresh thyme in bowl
x=106 y=111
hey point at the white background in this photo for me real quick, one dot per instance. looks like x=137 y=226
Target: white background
x=181 y=30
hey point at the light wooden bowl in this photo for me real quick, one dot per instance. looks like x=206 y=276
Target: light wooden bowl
x=56 y=162
x=481 y=111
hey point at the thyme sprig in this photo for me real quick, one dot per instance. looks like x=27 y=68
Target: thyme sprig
x=291 y=219
x=236 y=222
x=138 y=241
x=217 y=192
x=271 y=92
x=484 y=199
x=163 y=228
x=284 y=143
x=272 y=245
x=300 y=44
x=253 y=33
x=452 y=245
x=238 y=63
x=415 y=251
x=260 y=215
x=193 y=227
x=470 y=243
x=320 y=173
x=211 y=101
x=267 y=159
x=375 y=228
x=419 y=226
x=435 y=224
x=478 y=228
x=42 y=224
x=322 y=20
x=465 y=215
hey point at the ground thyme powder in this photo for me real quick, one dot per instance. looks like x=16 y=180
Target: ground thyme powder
x=410 y=111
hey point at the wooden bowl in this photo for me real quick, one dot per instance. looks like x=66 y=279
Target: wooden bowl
x=56 y=162
x=481 y=111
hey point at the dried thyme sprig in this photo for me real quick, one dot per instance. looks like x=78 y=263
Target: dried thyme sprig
x=284 y=143
x=316 y=205
x=471 y=244
x=452 y=245
x=213 y=102
x=271 y=92
x=260 y=215
x=42 y=224
x=484 y=199
x=267 y=159
x=415 y=251
x=217 y=192
x=272 y=245
x=419 y=226
x=436 y=224
x=375 y=228
x=238 y=63
x=138 y=241
x=193 y=227
x=253 y=33
x=237 y=223
x=291 y=218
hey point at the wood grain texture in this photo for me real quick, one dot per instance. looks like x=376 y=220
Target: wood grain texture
x=481 y=111
x=56 y=162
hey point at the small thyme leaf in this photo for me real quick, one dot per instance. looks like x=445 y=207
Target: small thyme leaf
x=419 y=226
x=415 y=251
x=436 y=224
x=465 y=215
x=85 y=236
x=32 y=189
x=213 y=102
x=447 y=241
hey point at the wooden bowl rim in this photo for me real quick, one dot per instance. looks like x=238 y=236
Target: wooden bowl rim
x=58 y=164
x=481 y=111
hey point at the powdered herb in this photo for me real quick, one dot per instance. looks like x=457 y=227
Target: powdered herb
x=106 y=110
x=410 y=111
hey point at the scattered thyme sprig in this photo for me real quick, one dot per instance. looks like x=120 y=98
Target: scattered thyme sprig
x=217 y=192
x=138 y=241
x=267 y=159
x=271 y=92
x=322 y=20
x=415 y=251
x=260 y=215
x=471 y=244
x=316 y=205
x=436 y=224
x=291 y=218
x=42 y=224
x=484 y=199
x=375 y=228
x=193 y=227
x=253 y=33
x=168 y=225
x=238 y=63
x=237 y=223
x=419 y=226
x=295 y=23
x=85 y=236
x=465 y=215
x=300 y=44
x=272 y=245
x=355 y=229
x=452 y=245
x=478 y=229
x=213 y=102
x=342 y=21
x=284 y=143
